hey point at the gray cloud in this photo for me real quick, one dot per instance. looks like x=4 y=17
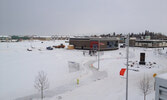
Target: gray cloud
x=47 y=17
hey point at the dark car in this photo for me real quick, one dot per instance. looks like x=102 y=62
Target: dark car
x=49 y=48
x=122 y=46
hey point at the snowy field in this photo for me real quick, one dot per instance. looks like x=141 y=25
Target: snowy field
x=19 y=67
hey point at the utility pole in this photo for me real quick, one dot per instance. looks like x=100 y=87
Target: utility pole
x=127 y=52
x=98 y=54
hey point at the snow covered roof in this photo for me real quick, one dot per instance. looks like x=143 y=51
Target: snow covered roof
x=42 y=36
x=4 y=36
x=163 y=76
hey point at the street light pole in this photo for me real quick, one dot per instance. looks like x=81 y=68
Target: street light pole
x=98 y=54
x=127 y=52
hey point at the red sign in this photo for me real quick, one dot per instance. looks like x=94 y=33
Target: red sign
x=122 y=71
x=93 y=43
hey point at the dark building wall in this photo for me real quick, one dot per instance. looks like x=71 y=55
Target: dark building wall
x=80 y=44
x=109 y=45
x=132 y=43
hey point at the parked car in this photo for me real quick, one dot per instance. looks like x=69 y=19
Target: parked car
x=49 y=48
x=122 y=46
x=29 y=49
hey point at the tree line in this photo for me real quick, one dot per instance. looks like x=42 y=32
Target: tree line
x=153 y=35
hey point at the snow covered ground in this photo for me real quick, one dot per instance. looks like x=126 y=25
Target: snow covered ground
x=19 y=67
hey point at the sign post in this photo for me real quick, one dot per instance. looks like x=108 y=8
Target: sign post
x=127 y=52
x=98 y=54
x=154 y=75
x=99 y=43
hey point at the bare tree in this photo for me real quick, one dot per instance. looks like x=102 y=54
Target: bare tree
x=145 y=86
x=41 y=83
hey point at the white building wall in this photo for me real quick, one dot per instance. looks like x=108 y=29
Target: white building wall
x=160 y=44
x=136 y=44
x=140 y=44
x=160 y=89
x=149 y=44
x=165 y=43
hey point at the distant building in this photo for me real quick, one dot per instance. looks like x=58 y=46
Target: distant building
x=5 y=38
x=42 y=38
x=132 y=41
x=151 y=43
x=161 y=87
x=94 y=43
x=121 y=39
x=147 y=37
x=47 y=38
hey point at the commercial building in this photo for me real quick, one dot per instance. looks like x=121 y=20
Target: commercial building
x=5 y=38
x=94 y=43
x=151 y=43
x=132 y=41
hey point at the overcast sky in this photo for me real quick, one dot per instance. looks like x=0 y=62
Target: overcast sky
x=51 y=17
